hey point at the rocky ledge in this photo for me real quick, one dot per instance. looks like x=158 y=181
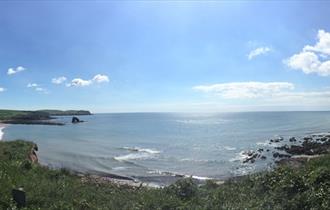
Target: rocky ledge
x=292 y=151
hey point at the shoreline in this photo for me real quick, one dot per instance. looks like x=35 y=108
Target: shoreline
x=289 y=150
x=33 y=122
x=292 y=152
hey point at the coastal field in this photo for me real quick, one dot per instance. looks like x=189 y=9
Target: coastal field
x=305 y=187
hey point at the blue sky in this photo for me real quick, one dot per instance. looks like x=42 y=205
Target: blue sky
x=165 y=56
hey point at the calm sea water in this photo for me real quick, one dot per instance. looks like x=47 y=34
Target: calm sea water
x=150 y=146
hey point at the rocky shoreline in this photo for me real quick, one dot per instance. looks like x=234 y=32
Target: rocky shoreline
x=292 y=151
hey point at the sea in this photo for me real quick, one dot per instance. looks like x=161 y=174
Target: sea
x=159 y=147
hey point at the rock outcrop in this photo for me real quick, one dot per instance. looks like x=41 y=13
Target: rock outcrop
x=76 y=120
x=33 y=155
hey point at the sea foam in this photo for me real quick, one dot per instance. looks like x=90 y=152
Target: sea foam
x=138 y=154
x=138 y=149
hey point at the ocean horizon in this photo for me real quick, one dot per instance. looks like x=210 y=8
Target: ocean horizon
x=158 y=147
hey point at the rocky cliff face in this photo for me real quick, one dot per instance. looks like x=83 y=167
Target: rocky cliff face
x=33 y=155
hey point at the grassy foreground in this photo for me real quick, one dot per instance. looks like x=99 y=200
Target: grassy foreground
x=285 y=188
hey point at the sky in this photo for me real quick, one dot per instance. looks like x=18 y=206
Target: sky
x=158 y=56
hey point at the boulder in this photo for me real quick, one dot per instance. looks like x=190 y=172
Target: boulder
x=76 y=120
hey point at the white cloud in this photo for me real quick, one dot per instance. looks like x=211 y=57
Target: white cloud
x=313 y=59
x=37 y=88
x=99 y=78
x=2 y=89
x=58 y=80
x=323 y=44
x=16 y=70
x=78 y=82
x=241 y=90
x=258 y=51
x=30 y=85
x=273 y=95
x=40 y=89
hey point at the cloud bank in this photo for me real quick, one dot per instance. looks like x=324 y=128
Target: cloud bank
x=240 y=90
x=313 y=59
x=2 y=89
x=270 y=94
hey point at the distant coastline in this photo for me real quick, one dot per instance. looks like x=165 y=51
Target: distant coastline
x=39 y=117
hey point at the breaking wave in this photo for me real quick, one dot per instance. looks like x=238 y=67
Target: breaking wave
x=138 y=154
x=138 y=149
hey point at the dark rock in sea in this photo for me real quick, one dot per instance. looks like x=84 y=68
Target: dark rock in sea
x=292 y=139
x=252 y=156
x=250 y=153
x=280 y=155
x=277 y=140
x=309 y=148
x=323 y=139
x=263 y=157
x=284 y=156
x=285 y=147
x=76 y=120
x=308 y=138
x=276 y=155
x=267 y=150
x=260 y=150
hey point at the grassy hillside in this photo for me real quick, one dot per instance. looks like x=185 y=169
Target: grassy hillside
x=36 y=117
x=23 y=115
x=307 y=187
x=9 y=114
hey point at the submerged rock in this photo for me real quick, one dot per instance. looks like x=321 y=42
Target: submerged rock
x=292 y=139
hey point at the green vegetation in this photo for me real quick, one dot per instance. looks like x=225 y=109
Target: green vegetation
x=9 y=114
x=307 y=187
